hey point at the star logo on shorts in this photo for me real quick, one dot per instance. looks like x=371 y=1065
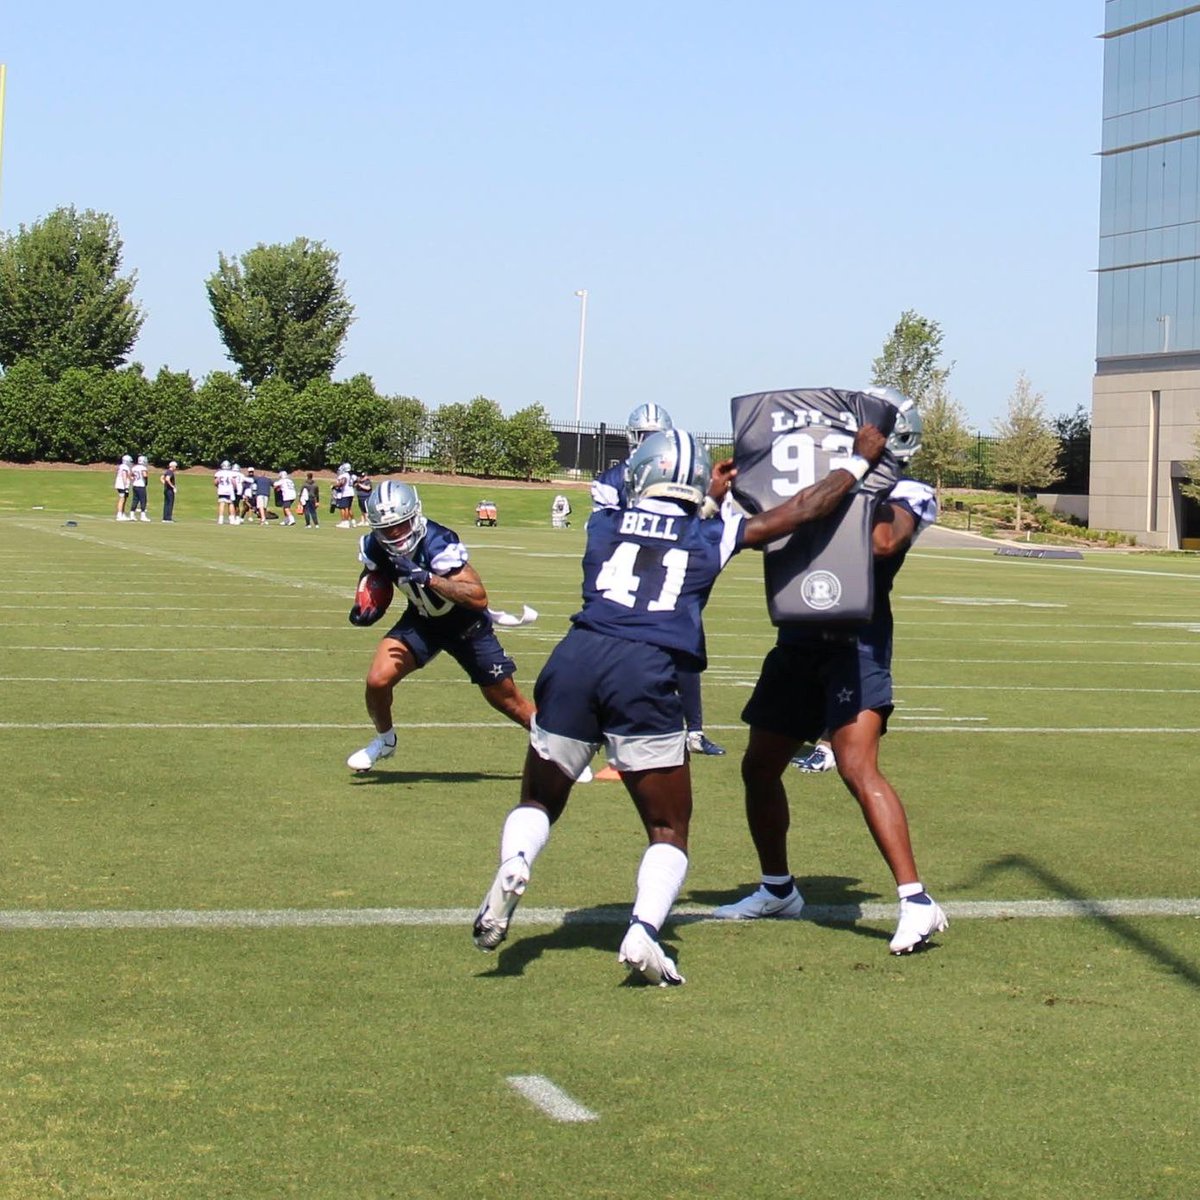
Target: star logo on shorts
x=845 y=696
x=496 y=671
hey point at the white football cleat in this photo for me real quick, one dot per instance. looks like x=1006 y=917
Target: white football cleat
x=761 y=903
x=370 y=754
x=491 y=923
x=919 y=920
x=641 y=953
x=585 y=776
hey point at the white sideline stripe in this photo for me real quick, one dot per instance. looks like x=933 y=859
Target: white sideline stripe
x=550 y=1098
x=176 y=649
x=315 y=918
x=255 y=725
x=1024 y=730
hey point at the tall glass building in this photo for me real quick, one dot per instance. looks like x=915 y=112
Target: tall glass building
x=1146 y=397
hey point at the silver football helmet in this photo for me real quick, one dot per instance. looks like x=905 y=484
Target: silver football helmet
x=224 y=464
x=126 y=460
x=394 y=512
x=905 y=439
x=143 y=461
x=645 y=420
x=669 y=464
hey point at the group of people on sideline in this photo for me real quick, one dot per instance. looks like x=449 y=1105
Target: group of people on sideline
x=244 y=495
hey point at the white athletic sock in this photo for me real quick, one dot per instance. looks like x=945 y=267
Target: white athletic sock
x=390 y=736
x=526 y=832
x=660 y=876
x=907 y=890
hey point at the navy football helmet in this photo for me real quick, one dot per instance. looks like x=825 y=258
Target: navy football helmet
x=645 y=420
x=394 y=513
x=670 y=465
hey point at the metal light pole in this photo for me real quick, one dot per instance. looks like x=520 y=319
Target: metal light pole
x=1165 y=322
x=583 y=297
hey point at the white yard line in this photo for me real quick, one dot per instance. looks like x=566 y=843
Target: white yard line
x=315 y=918
x=549 y=1098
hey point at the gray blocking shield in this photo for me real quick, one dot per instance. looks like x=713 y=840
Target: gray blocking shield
x=783 y=442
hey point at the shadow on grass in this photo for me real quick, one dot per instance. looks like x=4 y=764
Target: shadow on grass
x=376 y=779
x=597 y=928
x=833 y=901
x=1120 y=927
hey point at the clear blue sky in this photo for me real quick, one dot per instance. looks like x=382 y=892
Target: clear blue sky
x=751 y=192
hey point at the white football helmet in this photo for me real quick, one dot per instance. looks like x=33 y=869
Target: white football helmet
x=143 y=461
x=126 y=461
x=645 y=420
x=344 y=469
x=224 y=464
x=669 y=464
x=394 y=512
x=905 y=439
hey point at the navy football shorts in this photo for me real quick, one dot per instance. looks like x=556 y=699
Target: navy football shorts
x=803 y=691
x=477 y=649
x=598 y=689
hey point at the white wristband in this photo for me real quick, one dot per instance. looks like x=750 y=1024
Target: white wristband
x=854 y=463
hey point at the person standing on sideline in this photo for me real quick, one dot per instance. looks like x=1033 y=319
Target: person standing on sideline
x=310 y=498
x=648 y=569
x=223 y=482
x=822 y=679
x=285 y=496
x=362 y=491
x=237 y=482
x=262 y=496
x=447 y=610
x=122 y=484
x=343 y=496
x=168 y=484
x=139 y=477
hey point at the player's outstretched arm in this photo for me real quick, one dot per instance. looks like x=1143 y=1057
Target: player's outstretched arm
x=819 y=499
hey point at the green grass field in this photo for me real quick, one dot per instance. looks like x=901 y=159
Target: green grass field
x=302 y=1013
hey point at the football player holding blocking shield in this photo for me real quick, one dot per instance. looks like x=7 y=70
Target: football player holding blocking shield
x=447 y=610
x=835 y=678
x=648 y=568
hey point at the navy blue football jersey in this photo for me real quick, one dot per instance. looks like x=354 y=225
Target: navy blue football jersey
x=441 y=551
x=608 y=488
x=648 y=572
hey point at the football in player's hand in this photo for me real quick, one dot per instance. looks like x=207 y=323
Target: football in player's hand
x=371 y=598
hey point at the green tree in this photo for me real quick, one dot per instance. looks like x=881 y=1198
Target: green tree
x=25 y=390
x=448 y=437
x=1025 y=455
x=945 y=439
x=172 y=394
x=216 y=423
x=365 y=426
x=412 y=421
x=63 y=301
x=483 y=448
x=281 y=311
x=530 y=444
x=909 y=360
x=96 y=416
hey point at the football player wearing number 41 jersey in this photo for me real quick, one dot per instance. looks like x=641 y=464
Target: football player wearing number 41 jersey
x=447 y=610
x=648 y=568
